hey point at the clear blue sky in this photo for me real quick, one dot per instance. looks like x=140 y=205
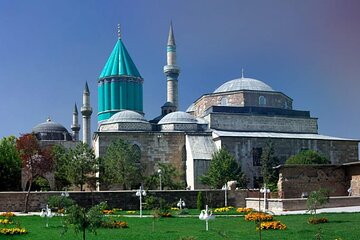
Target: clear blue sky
x=310 y=50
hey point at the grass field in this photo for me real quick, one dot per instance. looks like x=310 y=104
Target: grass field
x=345 y=226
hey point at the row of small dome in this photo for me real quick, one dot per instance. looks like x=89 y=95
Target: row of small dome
x=178 y=117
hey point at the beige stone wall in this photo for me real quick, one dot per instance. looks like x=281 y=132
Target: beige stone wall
x=240 y=122
x=353 y=173
x=241 y=99
x=156 y=147
x=296 y=179
x=242 y=148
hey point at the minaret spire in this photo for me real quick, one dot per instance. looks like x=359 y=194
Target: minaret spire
x=86 y=112
x=75 y=127
x=119 y=31
x=171 y=70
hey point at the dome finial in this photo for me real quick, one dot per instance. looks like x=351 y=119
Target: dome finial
x=48 y=119
x=242 y=73
x=119 y=32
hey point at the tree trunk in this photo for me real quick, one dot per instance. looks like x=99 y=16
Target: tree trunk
x=84 y=237
x=27 y=196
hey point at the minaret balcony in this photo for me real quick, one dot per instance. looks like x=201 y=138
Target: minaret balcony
x=171 y=69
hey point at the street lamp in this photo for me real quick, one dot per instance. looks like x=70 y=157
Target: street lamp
x=265 y=191
x=181 y=203
x=225 y=189
x=140 y=193
x=47 y=214
x=159 y=172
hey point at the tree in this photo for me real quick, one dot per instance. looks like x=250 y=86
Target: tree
x=170 y=178
x=35 y=161
x=308 y=157
x=61 y=167
x=268 y=162
x=223 y=168
x=316 y=199
x=82 y=219
x=120 y=165
x=82 y=166
x=10 y=165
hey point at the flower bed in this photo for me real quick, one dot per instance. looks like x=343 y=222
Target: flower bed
x=223 y=209
x=7 y=214
x=12 y=231
x=107 y=212
x=244 y=210
x=258 y=216
x=114 y=224
x=317 y=220
x=5 y=221
x=275 y=225
x=130 y=212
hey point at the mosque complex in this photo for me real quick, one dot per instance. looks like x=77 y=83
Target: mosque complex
x=241 y=115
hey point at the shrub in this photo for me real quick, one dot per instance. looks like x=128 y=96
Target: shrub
x=275 y=225
x=114 y=224
x=200 y=204
x=258 y=216
x=307 y=157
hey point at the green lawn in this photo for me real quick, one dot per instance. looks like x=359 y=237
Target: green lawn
x=345 y=226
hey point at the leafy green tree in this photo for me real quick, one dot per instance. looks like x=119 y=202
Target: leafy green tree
x=82 y=166
x=82 y=220
x=10 y=165
x=316 y=199
x=268 y=162
x=61 y=168
x=308 y=157
x=170 y=178
x=223 y=168
x=121 y=165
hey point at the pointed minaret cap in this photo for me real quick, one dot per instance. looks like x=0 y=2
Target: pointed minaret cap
x=75 y=109
x=171 y=39
x=86 y=89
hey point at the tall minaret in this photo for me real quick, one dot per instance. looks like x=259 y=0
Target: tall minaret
x=171 y=70
x=86 y=112
x=75 y=127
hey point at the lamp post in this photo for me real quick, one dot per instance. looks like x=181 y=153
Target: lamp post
x=225 y=189
x=206 y=215
x=181 y=203
x=159 y=172
x=140 y=193
x=265 y=191
x=47 y=214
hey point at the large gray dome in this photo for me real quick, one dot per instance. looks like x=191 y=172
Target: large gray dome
x=127 y=116
x=51 y=131
x=243 y=84
x=177 y=117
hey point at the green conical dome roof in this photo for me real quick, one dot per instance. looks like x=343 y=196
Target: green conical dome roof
x=119 y=63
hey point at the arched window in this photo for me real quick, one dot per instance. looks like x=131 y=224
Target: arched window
x=224 y=101
x=262 y=101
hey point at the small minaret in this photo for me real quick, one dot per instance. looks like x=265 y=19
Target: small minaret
x=75 y=127
x=172 y=71
x=86 y=112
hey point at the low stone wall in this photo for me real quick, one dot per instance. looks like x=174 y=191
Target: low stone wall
x=293 y=204
x=14 y=201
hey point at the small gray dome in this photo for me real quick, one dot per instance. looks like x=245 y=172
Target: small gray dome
x=177 y=117
x=51 y=131
x=127 y=116
x=168 y=104
x=244 y=84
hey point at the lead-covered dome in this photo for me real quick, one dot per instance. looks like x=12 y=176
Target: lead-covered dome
x=177 y=117
x=127 y=116
x=244 y=84
x=51 y=131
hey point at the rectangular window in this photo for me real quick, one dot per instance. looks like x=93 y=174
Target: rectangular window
x=257 y=156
